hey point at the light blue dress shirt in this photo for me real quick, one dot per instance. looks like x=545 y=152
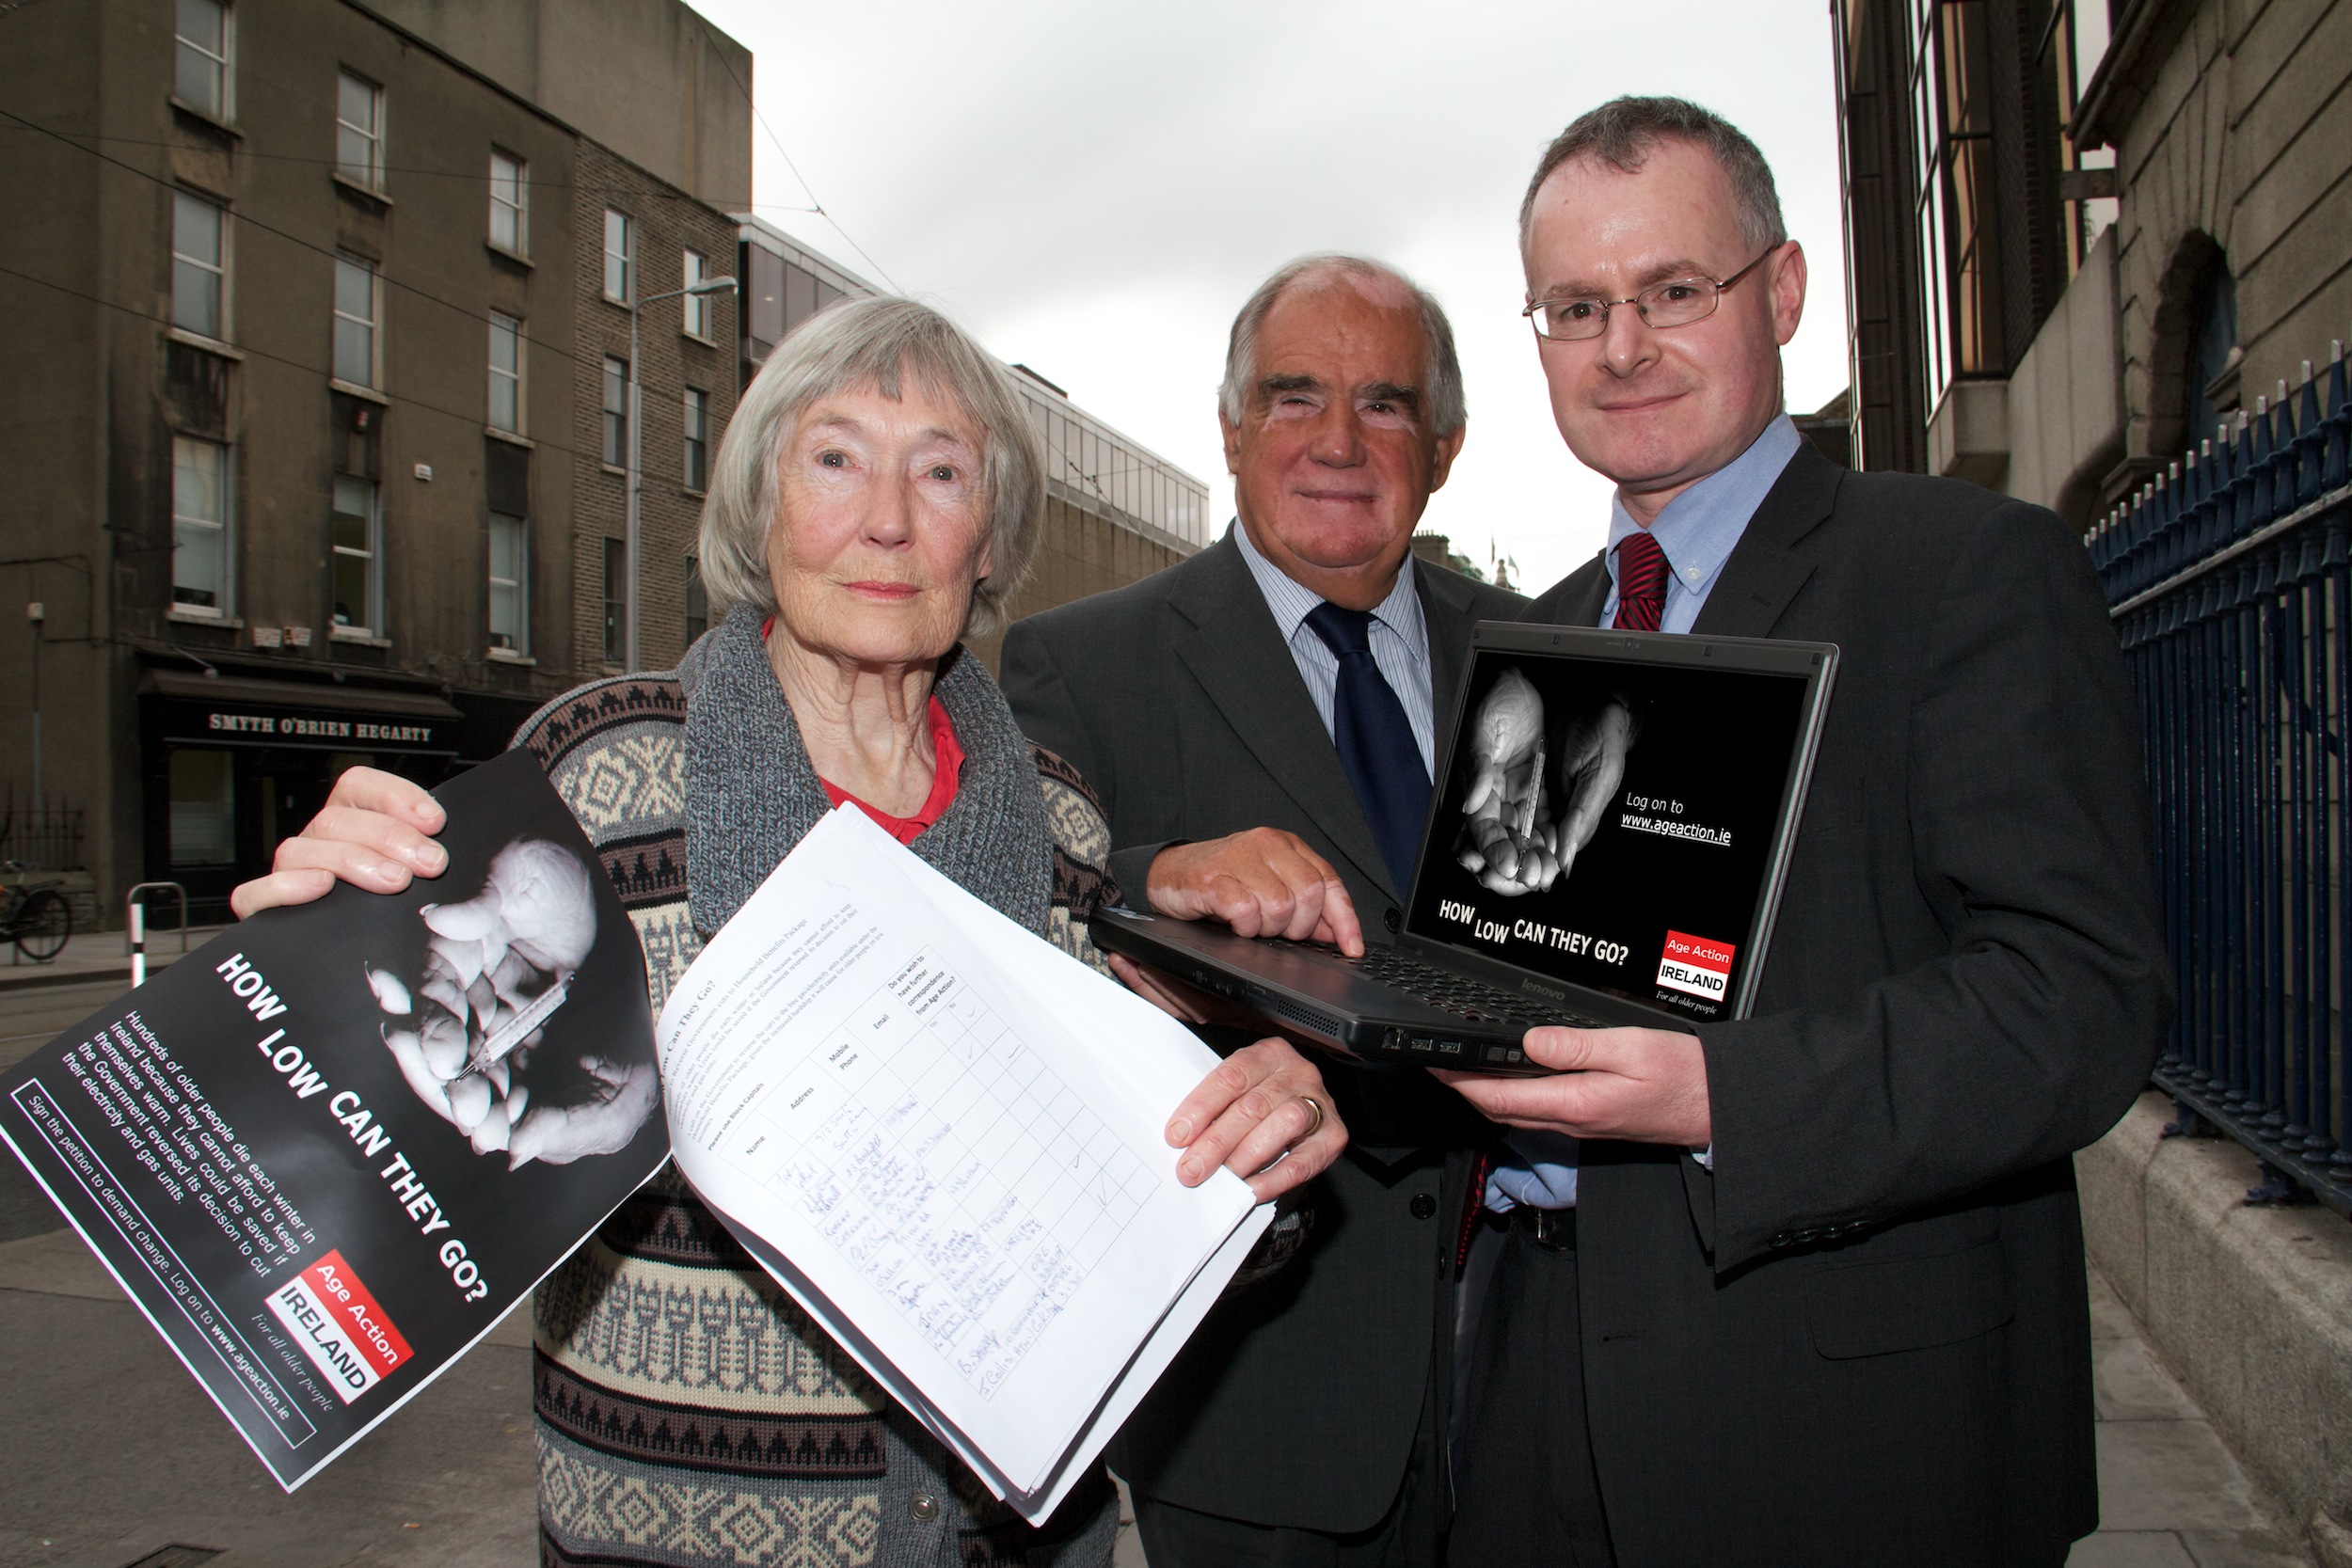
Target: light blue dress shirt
x=1697 y=530
x=1399 y=637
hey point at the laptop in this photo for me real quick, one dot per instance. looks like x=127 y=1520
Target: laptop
x=1673 y=772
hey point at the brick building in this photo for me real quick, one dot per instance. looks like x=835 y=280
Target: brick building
x=303 y=398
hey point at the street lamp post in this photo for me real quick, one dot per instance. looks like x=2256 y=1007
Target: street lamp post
x=636 y=429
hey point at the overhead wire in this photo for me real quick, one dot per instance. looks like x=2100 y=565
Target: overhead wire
x=817 y=202
x=246 y=220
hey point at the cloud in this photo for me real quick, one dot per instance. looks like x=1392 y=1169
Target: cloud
x=1095 y=189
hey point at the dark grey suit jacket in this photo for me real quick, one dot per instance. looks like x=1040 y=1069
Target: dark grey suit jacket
x=1864 y=1338
x=1177 y=699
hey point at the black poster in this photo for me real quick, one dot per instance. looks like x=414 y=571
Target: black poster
x=329 y=1152
x=1612 y=824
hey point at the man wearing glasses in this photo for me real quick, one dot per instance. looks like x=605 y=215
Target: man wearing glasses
x=1808 y=1288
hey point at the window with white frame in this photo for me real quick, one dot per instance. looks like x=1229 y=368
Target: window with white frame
x=199 y=527
x=615 y=412
x=359 y=130
x=358 y=585
x=696 y=470
x=510 y=585
x=620 y=257
x=354 y=321
x=200 y=265
x=509 y=203
x=696 y=308
x=201 y=76
x=506 y=373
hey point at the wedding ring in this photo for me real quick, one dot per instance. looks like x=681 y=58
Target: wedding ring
x=1314 y=1127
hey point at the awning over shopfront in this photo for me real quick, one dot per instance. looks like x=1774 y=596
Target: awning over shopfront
x=233 y=710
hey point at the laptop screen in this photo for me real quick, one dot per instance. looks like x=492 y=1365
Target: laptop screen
x=1609 y=822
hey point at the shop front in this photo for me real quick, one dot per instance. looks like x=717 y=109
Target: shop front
x=234 y=764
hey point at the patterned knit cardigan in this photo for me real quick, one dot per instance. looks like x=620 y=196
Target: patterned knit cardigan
x=688 y=1411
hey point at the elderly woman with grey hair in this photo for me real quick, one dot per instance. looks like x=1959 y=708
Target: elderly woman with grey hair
x=877 y=498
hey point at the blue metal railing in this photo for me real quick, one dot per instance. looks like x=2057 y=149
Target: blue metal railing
x=2230 y=580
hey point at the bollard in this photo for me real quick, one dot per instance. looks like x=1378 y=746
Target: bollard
x=135 y=925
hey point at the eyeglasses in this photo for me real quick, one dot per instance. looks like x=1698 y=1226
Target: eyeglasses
x=1676 y=302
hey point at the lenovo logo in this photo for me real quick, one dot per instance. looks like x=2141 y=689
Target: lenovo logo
x=1543 y=990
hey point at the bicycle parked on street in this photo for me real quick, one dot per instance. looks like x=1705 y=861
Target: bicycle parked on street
x=35 y=915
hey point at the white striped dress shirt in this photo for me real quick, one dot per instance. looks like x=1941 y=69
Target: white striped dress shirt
x=1400 y=645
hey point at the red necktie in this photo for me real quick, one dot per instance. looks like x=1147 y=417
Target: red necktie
x=1641 y=582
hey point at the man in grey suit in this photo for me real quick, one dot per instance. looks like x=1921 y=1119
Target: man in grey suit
x=1258 y=724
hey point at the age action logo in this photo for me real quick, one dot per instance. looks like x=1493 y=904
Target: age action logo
x=1695 y=966
x=339 y=1326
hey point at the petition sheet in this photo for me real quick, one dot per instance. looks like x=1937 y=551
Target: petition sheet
x=1160 y=1063
x=851 y=1073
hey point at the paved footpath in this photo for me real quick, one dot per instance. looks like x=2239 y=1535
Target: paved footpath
x=111 y=1455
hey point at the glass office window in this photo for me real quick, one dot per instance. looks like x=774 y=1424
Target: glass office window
x=510 y=587
x=354 y=321
x=696 y=469
x=199 y=269
x=615 y=412
x=506 y=373
x=509 y=210
x=358 y=555
x=199 y=526
x=764 y=275
x=359 y=130
x=620 y=258
x=200 y=75
x=800 y=295
x=1958 y=214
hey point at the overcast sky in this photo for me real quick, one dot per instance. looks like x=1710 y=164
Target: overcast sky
x=1094 y=189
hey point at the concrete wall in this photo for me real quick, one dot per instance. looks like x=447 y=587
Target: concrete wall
x=648 y=78
x=2065 y=405
x=1082 y=553
x=2251 y=1307
x=2232 y=128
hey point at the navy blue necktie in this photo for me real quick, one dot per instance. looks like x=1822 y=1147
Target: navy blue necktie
x=1375 y=743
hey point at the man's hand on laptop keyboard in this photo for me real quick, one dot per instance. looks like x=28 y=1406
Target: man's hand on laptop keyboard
x=1265 y=882
x=1637 y=1086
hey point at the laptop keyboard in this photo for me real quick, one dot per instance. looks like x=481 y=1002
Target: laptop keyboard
x=1454 y=993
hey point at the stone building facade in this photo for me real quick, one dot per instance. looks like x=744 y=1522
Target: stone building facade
x=2232 y=266
x=2081 y=233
